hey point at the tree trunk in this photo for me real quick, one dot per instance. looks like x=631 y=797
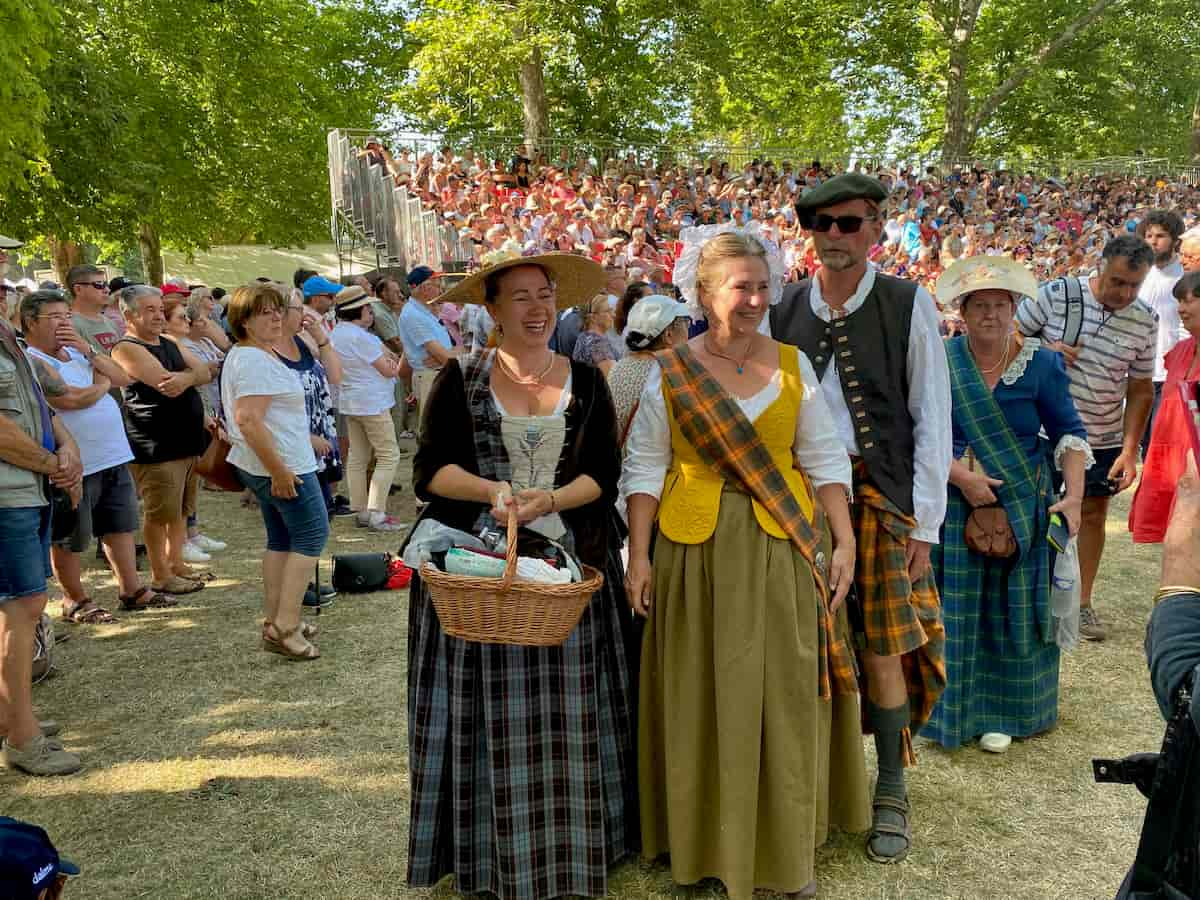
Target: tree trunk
x=959 y=31
x=987 y=109
x=63 y=255
x=152 y=261
x=1196 y=130
x=533 y=101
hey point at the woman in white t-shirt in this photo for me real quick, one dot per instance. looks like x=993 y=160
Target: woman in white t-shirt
x=367 y=395
x=268 y=430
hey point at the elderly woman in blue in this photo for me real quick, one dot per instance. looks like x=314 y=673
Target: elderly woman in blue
x=1001 y=659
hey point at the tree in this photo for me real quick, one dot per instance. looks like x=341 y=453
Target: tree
x=22 y=94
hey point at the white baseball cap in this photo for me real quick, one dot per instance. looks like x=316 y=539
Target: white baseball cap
x=650 y=317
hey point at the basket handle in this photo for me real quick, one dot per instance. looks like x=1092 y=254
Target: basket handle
x=510 y=560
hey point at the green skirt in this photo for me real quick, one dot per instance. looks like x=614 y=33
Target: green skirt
x=743 y=768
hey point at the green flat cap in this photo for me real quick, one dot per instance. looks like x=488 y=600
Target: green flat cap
x=839 y=189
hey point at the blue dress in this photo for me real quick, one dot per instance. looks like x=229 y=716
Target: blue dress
x=1001 y=660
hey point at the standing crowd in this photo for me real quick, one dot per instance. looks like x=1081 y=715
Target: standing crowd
x=826 y=472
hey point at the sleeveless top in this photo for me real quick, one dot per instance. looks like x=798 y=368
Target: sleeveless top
x=318 y=401
x=691 y=497
x=162 y=428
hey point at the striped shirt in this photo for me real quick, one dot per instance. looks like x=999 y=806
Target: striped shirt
x=1114 y=346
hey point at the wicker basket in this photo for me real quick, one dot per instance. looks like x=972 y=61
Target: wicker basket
x=509 y=610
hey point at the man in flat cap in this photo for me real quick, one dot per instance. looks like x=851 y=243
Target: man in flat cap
x=874 y=343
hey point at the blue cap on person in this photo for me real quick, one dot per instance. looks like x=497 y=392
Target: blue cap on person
x=421 y=274
x=28 y=861
x=318 y=285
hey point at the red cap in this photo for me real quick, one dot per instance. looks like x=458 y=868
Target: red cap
x=168 y=289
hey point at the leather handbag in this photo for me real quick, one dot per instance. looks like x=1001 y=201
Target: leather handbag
x=214 y=466
x=359 y=573
x=987 y=530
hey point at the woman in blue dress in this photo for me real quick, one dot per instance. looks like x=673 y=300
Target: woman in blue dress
x=1001 y=658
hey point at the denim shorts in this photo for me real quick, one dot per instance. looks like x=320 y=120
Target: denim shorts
x=299 y=525
x=24 y=551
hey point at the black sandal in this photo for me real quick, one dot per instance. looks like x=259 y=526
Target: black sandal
x=881 y=828
x=138 y=600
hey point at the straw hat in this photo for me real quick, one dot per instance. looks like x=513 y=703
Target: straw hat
x=984 y=273
x=576 y=278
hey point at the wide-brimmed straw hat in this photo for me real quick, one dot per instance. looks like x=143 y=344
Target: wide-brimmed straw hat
x=984 y=273
x=577 y=279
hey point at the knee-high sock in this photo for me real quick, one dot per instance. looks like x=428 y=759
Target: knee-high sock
x=889 y=725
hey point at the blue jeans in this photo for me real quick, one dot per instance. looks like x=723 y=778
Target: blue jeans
x=24 y=551
x=299 y=525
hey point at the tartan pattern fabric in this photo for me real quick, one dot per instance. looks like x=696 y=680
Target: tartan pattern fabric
x=899 y=617
x=1002 y=661
x=727 y=441
x=522 y=765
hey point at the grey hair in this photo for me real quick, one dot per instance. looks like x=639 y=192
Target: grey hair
x=131 y=297
x=195 y=299
x=1135 y=251
x=1191 y=240
x=31 y=304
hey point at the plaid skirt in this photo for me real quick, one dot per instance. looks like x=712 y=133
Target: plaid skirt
x=522 y=764
x=899 y=617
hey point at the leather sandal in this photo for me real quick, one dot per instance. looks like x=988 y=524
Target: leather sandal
x=87 y=613
x=308 y=630
x=880 y=828
x=276 y=644
x=147 y=598
x=177 y=585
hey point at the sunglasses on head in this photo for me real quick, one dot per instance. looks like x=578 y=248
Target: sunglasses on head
x=845 y=224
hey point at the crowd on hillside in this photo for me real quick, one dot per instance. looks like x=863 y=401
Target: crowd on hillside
x=704 y=387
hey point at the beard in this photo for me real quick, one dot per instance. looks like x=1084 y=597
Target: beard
x=1162 y=259
x=838 y=260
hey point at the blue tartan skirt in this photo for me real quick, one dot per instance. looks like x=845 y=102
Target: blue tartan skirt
x=522 y=764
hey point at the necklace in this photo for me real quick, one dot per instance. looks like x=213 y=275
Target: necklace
x=741 y=366
x=529 y=381
x=996 y=367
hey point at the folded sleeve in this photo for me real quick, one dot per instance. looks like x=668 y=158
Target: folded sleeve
x=648 y=446
x=818 y=450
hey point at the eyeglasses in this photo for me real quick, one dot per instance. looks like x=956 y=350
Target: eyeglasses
x=98 y=285
x=845 y=224
x=61 y=317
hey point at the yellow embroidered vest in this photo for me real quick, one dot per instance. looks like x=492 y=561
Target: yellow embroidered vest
x=691 y=497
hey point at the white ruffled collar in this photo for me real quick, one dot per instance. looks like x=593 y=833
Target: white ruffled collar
x=1017 y=367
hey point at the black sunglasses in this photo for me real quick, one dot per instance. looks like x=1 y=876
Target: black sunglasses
x=845 y=224
x=98 y=285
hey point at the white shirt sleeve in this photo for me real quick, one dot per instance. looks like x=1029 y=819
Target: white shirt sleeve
x=648 y=446
x=817 y=449
x=929 y=406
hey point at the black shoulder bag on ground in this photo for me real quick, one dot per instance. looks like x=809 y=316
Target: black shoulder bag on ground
x=360 y=573
x=1167 y=866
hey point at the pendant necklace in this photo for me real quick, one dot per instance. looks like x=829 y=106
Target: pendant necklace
x=530 y=381
x=741 y=366
x=993 y=369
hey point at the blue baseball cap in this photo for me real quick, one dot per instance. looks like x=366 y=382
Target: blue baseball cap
x=317 y=285
x=421 y=274
x=28 y=861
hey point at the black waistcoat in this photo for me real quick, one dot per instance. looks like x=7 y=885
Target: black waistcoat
x=870 y=349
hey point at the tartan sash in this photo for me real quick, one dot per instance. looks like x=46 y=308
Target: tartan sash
x=727 y=441
x=992 y=441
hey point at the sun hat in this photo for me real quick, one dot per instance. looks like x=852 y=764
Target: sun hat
x=7 y=243
x=577 y=278
x=29 y=863
x=650 y=317
x=349 y=298
x=984 y=273
x=317 y=286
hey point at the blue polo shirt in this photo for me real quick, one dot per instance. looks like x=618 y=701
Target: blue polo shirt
x=419 y=326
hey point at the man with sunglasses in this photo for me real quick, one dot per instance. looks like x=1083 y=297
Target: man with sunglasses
x=874 y=343
x=88 y=288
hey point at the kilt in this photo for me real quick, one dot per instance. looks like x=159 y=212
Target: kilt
x=899 y=618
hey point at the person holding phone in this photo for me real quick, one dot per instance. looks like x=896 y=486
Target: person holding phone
x=1001 y=661
x=1170 y=437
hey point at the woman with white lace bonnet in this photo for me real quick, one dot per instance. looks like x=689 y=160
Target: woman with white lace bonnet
x=749 y=743
x=1001 y=659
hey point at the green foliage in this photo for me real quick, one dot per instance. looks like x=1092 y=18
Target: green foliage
x=25 y=59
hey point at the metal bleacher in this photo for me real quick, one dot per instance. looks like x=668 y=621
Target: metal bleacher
x=371 y=216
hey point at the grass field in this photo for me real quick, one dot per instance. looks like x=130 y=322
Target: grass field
x=214 y=770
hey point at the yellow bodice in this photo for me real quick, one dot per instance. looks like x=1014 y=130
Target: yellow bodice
x=691 y=497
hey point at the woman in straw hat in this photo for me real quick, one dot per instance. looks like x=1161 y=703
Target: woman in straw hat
x=1001 y=656
x=749 y=745
x=522 y=761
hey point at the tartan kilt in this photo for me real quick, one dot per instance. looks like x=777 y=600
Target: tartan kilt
x=522 y=764
x=898 y=617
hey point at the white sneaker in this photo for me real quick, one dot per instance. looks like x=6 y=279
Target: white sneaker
x=207 y=544
x=193 y=554
x=995 y=742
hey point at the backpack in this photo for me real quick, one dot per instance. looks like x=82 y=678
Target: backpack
x=1073 y=326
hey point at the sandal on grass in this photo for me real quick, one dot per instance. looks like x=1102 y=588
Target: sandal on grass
x=177 y=585
x=308 y=630
x=87 y=613
x=201 y=575
x=889 y=820
x=275 y=643
x=147 y=598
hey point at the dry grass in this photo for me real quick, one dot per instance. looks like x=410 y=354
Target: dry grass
x=216 y=770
